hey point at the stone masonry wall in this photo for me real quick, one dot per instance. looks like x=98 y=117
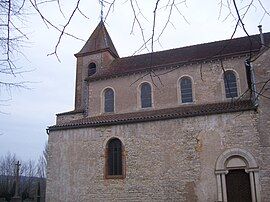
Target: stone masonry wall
x=101 y=60
x=171 y=160
x=60 y=119
x=208 y=86
x=262 y=73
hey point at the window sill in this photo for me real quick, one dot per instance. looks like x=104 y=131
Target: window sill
x=231 y=98
x=114 y=177
x=187 y=103
x=146 y=108
x=107 y=113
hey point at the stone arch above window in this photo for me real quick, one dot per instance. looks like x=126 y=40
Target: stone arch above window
x=114 y=165
x=230 y=84
x=108 y=97
x=146 y=95
x=92 y=68
x=186 y=89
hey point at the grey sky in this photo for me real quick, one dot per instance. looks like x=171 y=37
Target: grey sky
x=52 y=88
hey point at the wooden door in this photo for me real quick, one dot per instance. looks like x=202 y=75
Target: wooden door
x=238 y=186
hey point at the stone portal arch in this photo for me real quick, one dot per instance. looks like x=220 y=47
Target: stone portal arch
x=237 y=158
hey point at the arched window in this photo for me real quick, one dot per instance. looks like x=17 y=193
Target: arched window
x=186 y=90
x=146 y=95
x=91 y=69
x=230 y=84
x=114 y=158
x=108 y=100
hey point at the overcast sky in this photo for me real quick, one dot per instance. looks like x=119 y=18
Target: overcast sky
x=29 y=112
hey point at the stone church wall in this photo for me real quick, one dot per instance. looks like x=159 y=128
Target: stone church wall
x=208 y=86
x=262 y=70
x=172 y=160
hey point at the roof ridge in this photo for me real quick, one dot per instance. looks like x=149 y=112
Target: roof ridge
x=194 y=45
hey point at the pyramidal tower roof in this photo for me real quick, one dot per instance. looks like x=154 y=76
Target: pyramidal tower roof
x=99 y=41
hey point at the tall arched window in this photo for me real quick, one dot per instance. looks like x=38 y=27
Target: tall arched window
x=230 y=84
x=91 y=69
x=186 y=90
x=108 y=100
x=146 y=95
x=114 y=158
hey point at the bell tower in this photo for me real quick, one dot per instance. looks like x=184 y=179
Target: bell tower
x=97 y=54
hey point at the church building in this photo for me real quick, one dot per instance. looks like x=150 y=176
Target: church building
x=186 y=124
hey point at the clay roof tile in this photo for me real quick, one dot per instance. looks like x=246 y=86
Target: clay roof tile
x=160 y=114
x=99 y=40
x=180 y=56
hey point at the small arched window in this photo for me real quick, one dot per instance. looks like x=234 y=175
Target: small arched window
x=92 y=69
x=114 y=158
x=108 y=100
x=230 y=84
x=186 y=90
x=146 y=95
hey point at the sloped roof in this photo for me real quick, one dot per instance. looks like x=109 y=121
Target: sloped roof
x=155 y=115
x=180 y=56
x=99 y=40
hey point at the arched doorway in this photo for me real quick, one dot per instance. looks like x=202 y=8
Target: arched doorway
x=237 y=177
